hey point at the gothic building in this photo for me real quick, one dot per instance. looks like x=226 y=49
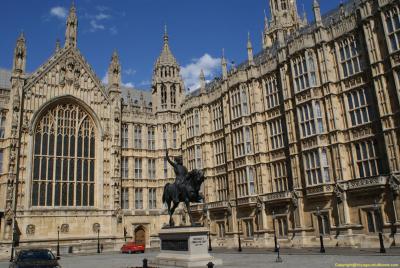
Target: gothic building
x=302 y=139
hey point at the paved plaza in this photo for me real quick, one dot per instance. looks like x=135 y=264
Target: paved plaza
x=248 y=258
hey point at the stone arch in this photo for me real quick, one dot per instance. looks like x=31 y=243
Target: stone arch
x=140 y=235
x=65 y=98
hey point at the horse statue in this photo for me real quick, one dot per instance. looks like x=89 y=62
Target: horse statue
x=185 y=189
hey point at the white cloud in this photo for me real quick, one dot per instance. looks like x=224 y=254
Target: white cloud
x=59 y=12
x=102 y=16
x=130 y=71
x=96 y=26
x=104 y=80
x=113 y=30
x=191 y=72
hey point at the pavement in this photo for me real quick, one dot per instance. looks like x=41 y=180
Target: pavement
x=249 y=258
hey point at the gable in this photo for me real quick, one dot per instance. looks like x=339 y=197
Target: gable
x=67 y=67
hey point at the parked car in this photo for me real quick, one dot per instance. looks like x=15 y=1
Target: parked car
x=35 y=258
x=132 y=247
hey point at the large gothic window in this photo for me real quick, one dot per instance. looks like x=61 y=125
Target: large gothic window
x=64 y=158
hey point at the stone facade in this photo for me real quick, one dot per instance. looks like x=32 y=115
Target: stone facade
x=303 y=138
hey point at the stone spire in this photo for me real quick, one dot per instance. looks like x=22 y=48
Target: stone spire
x=250 y=56
x=166 y=57
x=20 y=55
x=305 y=21
x=168 y=87
x=57 y=45
x=317 y=13
x=224 y=66
x=284 y=17
x=202 y=82
x=114 y=73
x=266 y=39
x=72 y=27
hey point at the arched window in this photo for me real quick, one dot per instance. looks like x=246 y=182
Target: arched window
x=173 y=96
x=163 y=96
x=64 y=158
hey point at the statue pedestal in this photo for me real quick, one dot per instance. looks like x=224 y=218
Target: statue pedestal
x=184 y=247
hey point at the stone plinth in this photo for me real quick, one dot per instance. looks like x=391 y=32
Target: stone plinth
x=184 y=247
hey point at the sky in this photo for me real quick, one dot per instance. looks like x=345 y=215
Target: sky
x=198 y=31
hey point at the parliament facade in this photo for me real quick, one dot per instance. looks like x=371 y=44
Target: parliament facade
x=301 y=140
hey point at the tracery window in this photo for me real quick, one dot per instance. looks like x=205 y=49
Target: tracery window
x=2 y=124
x=64 y=158
x=152 y=198
x=359 y=107
x=163 y=97
x=304 y=72
x=392 y=18
x=367 y=158
x=173 y=96
x=222 y=188
x=151 y=138
x=271 y=92
x=316 y=167
x=279 y=176
x=276 y=133
x=124 y=136
x=349 y=50
x=138 y=137
x=217 y=116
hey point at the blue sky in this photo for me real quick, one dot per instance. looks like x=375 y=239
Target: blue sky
x=198 y=30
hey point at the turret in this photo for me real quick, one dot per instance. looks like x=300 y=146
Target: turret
x=224 y=66
x=114 y=73
x=317 y=13
x=202 y=79
x=168 y=87
x=19 y=63
x=250 y=56
x=72 y=28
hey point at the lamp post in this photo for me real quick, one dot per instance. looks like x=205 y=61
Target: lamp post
x=378 y=212
x=206 y=217
x=58 y=241
x=321 y=239
x=98 y=240
x=125 y=233
x=273 y=226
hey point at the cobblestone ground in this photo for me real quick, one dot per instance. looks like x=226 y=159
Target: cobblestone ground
x=247 y=259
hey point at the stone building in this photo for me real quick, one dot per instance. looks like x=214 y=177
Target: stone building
x=302 y=139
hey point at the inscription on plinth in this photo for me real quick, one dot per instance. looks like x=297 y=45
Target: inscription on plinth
x=175 y=245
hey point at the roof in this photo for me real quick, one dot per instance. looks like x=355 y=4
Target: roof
x=5 y=77
x=136 y=96
x=166 y=57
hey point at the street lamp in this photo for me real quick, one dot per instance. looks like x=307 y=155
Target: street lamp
x=98 y=240
x=273 y=226
x=321 y=239
x=58 y=241
x=125 y=233
x=206 y=217
x=378 y=212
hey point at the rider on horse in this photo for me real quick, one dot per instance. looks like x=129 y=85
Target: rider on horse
x=180 y=170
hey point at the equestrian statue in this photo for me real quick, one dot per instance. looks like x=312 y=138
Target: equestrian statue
x=185 y=188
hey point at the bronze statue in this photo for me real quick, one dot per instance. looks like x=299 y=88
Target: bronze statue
x=185 y=188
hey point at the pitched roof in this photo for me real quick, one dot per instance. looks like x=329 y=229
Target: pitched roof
x=5 y=76
x=166 y=58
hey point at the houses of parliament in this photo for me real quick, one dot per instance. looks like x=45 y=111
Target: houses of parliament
x=301 y=140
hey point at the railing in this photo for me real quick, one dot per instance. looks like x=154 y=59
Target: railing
x=218 y=205
x=248 y=200
x=322 y=189
x=276 y=196
x=365 y=183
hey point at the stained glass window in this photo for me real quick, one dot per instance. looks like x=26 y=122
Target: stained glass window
x=64 y=158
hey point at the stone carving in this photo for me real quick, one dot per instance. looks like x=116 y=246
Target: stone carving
x=394 y=184
x=30 y=229
x=96 y=227
x=64 y=228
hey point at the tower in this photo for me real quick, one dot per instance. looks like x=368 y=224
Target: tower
x=168 y=87
x=72 y=27
x=19 y=63
x=317 y=13
x=284 y=18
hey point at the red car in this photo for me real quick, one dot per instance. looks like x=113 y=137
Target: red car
x=132 y=247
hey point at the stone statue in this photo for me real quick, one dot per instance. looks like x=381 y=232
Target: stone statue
x=185 y=188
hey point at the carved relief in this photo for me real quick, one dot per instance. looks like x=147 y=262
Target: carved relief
x=96 y=227
x=30 y=229
x=64 y=228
